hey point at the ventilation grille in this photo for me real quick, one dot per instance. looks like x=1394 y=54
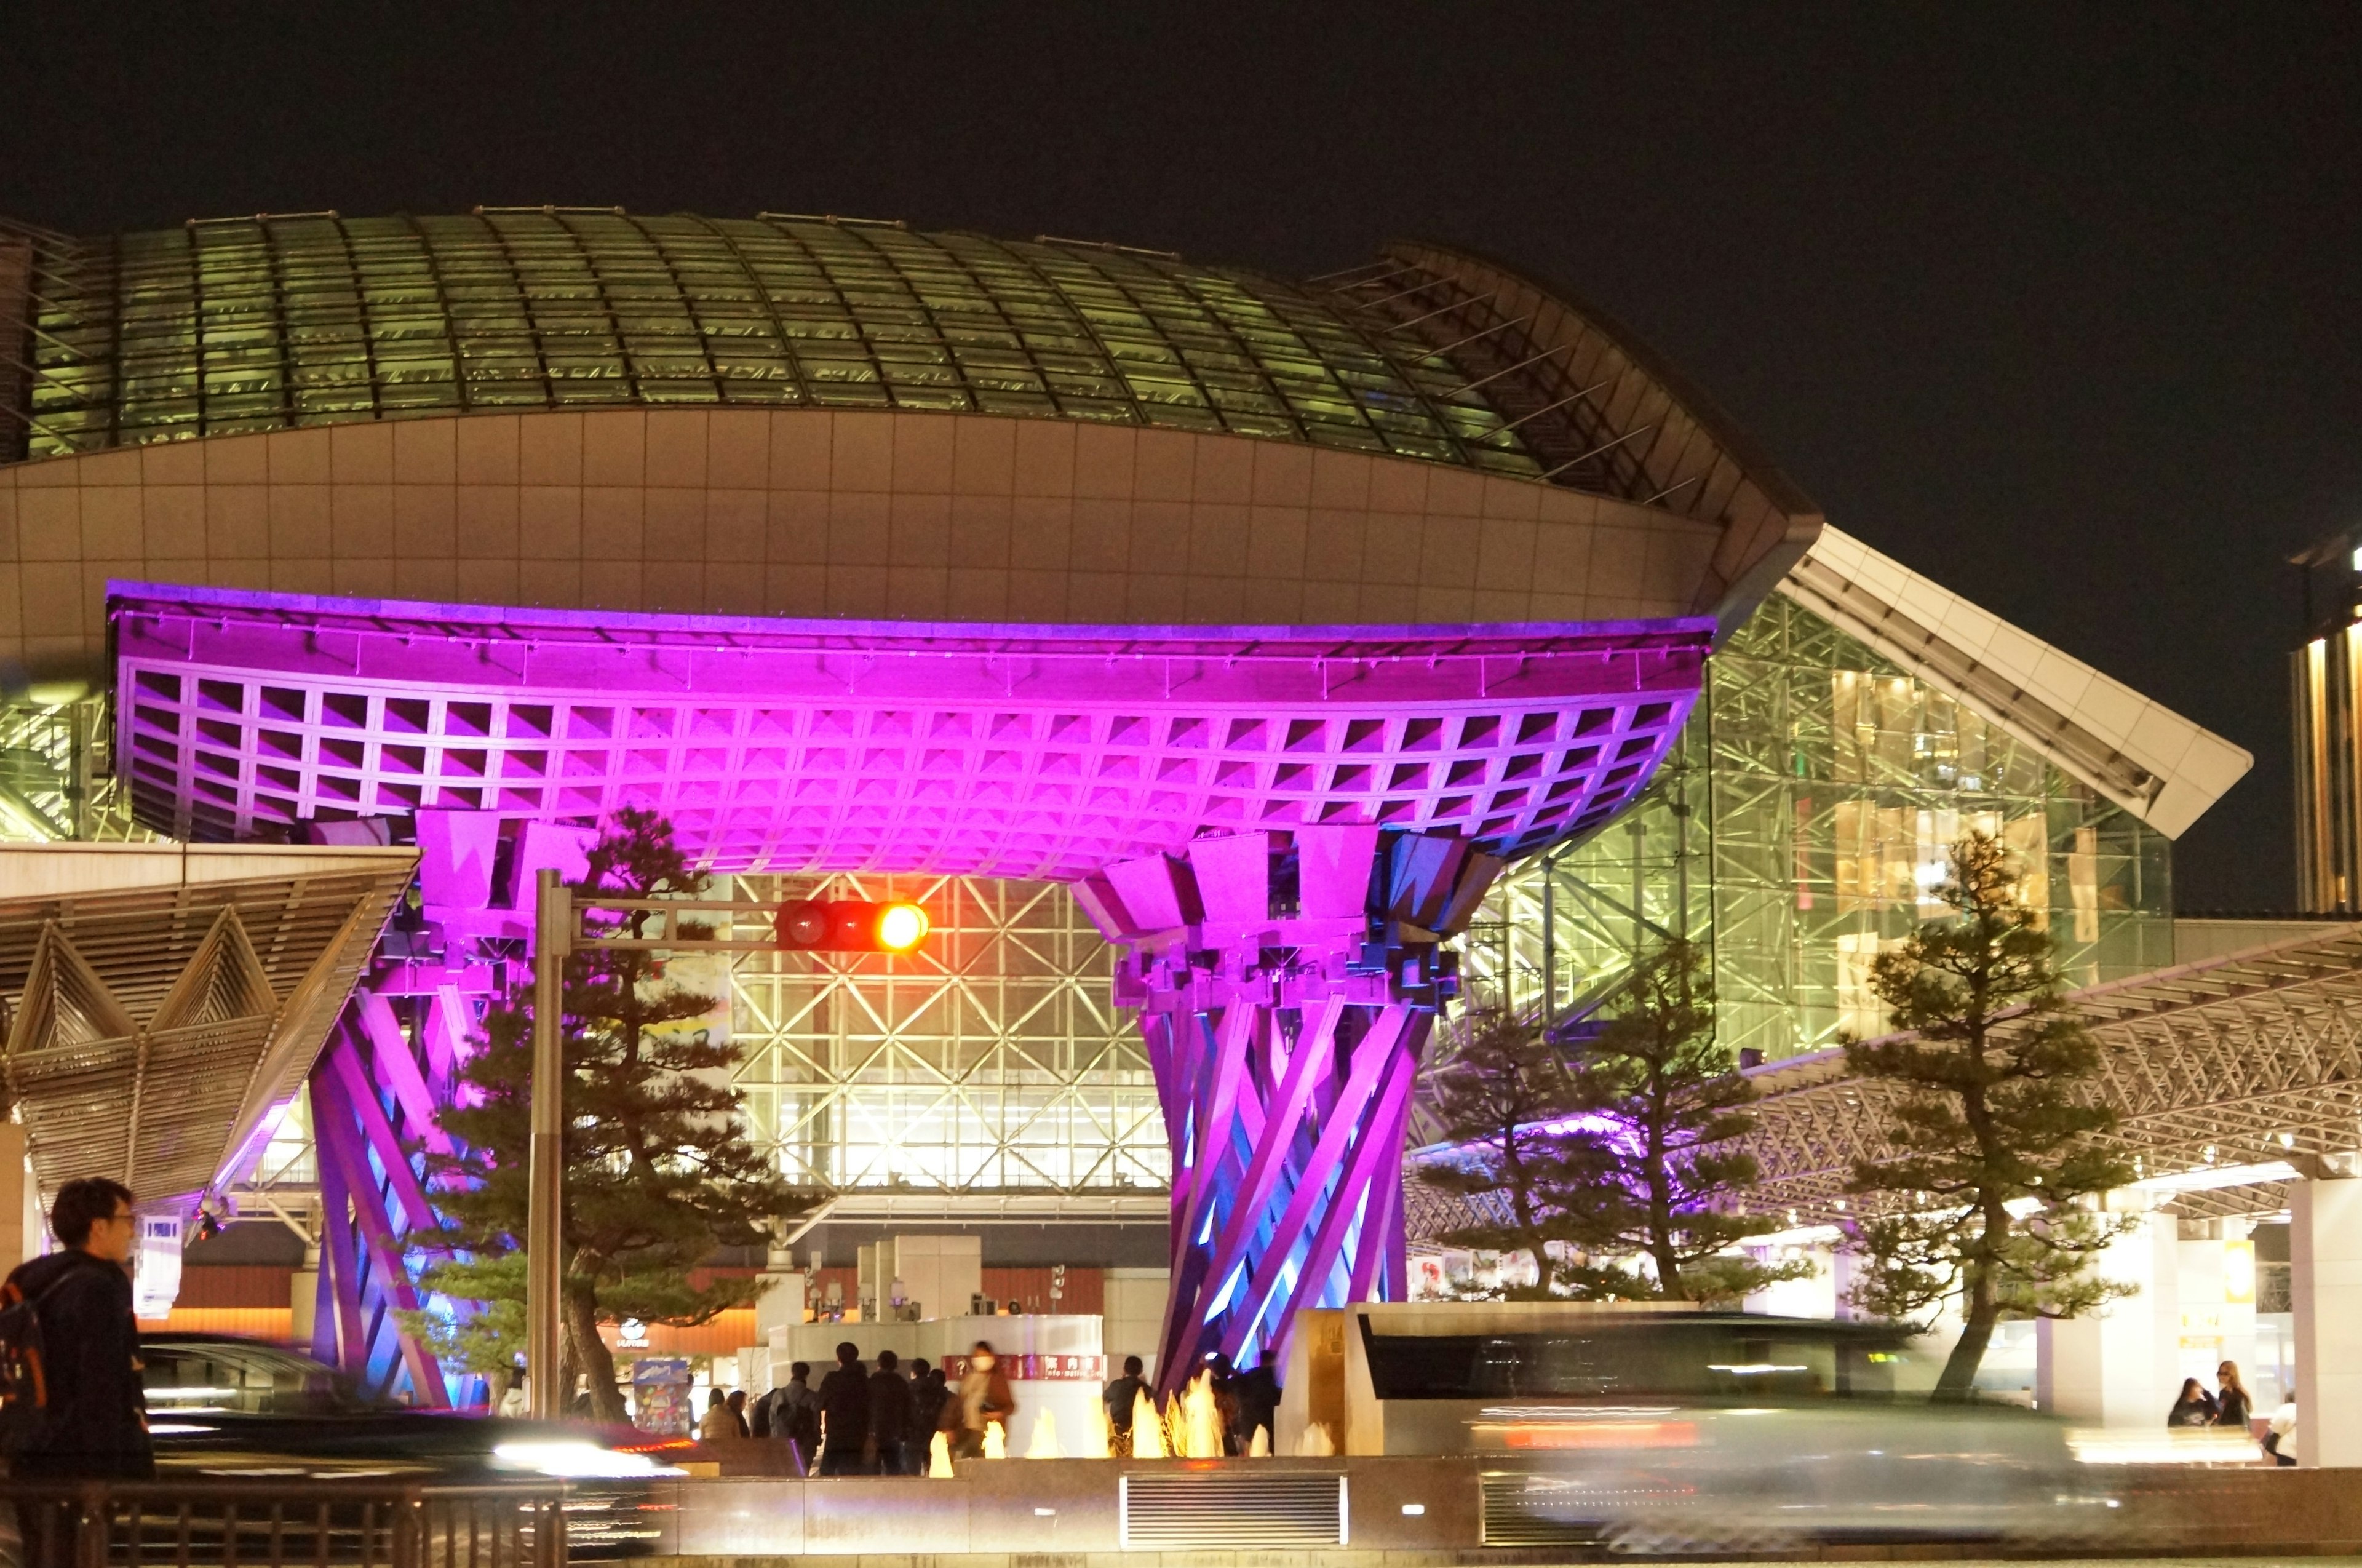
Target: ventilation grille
x=1539 y=1511
x=1225 y=1511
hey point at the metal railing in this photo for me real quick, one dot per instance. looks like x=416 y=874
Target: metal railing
x=274 y=1524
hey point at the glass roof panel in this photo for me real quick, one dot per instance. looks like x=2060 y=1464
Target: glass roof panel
x=268 y=322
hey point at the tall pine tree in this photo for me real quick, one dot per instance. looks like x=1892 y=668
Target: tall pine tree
x=1995 y=1145
x=1663 y=1104
x=659 y=1172
x=1502 y=1101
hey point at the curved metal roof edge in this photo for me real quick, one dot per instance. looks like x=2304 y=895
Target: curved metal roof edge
x=1754 y=558
x=1776 y=484
x=2165 y=769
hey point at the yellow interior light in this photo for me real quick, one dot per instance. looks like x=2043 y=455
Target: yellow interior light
x=2239 y=1273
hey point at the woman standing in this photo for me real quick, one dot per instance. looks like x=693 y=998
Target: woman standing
x=2195 y=1408
x=982 y=1400
x=2232 y=1406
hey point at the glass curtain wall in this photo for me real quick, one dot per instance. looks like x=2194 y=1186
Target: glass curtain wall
x=56 y=776
x=1800 y=829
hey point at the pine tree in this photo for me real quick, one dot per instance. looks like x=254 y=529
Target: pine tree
x=1662 y=1105
x=659 y=1171
x=1502 y=1101
x=490 y=1339
x=1990 y=1124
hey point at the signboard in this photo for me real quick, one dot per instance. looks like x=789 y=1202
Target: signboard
x=660 y=1390
x=1038 y=1368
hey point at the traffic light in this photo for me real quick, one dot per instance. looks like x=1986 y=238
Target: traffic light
x=851 y=925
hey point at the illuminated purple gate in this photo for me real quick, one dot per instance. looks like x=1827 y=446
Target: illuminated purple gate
x=1276 y=822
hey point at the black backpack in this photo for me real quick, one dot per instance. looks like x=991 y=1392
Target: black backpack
x=24 y=1372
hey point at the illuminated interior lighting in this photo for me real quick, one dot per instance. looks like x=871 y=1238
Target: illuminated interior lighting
x=2239 y=1273
x=2209 y=1178
x=1756 y=1368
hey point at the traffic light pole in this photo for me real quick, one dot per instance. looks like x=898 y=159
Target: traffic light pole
x=558 y=932
x=545 y=1177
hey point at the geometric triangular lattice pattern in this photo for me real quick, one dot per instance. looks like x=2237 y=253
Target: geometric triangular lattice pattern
x=148 y=1032
x=991 y=1060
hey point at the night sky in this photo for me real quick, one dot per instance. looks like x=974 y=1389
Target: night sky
x=2058 y=305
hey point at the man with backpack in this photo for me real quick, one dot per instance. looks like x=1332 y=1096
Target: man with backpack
x=84 y=1417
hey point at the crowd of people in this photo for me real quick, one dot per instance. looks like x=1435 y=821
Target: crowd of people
x=861 y=1421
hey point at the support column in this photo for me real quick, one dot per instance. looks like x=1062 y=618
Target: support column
x=1286 y=984
x=2117 y=1367
x=1843 y=1260
x=2325 y=1284
x=21 y=1226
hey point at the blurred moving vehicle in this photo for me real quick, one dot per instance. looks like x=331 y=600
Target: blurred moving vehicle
x=219 y=1406
x=1680 y=1431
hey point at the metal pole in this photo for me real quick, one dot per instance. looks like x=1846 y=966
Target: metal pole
x=553 y=931
x=1549 y=941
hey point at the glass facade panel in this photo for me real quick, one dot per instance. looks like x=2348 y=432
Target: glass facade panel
x=1800 y=829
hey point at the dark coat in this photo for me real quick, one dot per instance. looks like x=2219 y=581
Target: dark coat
x=1122 y=1397
x=927 y=1396
x=845 y=1407
x=893 y=1413
x=97 y=1424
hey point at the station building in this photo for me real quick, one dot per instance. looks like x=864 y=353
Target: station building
x=258 y=446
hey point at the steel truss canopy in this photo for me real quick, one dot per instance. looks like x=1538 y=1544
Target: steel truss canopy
x=161 y=1000
x=2228 y=1078
x=816 y=746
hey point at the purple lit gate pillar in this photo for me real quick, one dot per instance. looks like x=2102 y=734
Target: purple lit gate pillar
x=1286 y=984
x=391 y=1064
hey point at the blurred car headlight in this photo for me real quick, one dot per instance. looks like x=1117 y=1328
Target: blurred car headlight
x=577 y=1461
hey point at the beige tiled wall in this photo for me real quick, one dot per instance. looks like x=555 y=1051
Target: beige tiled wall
x=807 y=513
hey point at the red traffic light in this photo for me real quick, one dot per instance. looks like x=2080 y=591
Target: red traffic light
x=851 y=925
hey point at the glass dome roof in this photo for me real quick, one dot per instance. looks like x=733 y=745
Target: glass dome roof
x=278 y=321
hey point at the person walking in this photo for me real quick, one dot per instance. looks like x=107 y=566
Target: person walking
x=738 y=1403
x=892 y=1412
x=2193 y=1407
x=844 y=1414
x=2232 y=1406
x=95 y=1424
x=1122 y=1397
x=719 y=1424
x=982 y=1400
x=94 y=1417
